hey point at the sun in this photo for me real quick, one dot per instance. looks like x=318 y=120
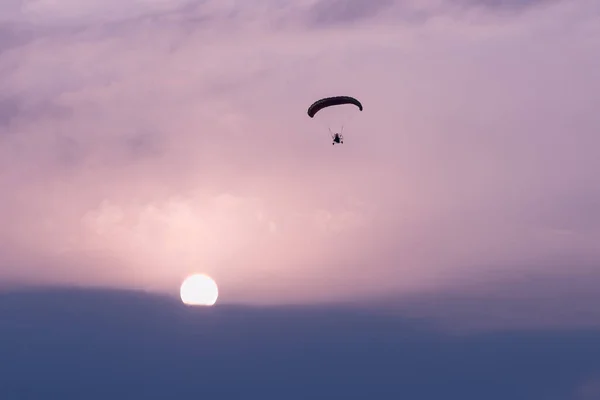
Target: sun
x=199 y=290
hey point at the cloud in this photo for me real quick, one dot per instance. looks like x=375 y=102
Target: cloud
x=340 y=11
x=325 y=351
x=506 y=4
x=589 y=390
x=8 y=109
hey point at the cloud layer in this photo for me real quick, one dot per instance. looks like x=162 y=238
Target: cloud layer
x=151 y=347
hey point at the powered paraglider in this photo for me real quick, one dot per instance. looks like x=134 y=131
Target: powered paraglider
x=335 y=111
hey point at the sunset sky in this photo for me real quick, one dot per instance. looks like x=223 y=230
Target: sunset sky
x=143 y=141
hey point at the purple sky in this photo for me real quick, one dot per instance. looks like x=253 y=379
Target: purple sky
x=142 y=141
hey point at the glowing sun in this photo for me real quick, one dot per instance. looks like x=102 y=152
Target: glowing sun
x=199 y=290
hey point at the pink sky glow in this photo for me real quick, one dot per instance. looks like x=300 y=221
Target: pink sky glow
x=142 y=141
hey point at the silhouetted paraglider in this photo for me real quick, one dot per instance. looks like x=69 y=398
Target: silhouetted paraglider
x=335 y=102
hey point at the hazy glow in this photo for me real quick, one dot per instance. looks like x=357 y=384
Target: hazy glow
x=199 y=290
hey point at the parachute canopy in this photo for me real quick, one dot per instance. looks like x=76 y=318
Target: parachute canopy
x=332 y=101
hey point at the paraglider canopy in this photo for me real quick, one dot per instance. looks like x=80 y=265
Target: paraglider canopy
x=332 y=101
x=335 y=113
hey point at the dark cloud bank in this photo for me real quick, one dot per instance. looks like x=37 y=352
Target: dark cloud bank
x=75 y=344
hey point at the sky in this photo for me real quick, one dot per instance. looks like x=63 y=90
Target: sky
x=143 y=141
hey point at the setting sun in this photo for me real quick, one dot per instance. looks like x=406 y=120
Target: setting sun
x=199 y=290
